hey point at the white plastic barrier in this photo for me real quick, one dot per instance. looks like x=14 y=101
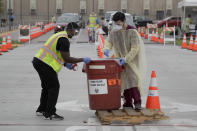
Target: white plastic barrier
x=24 y=33
x=169 y=39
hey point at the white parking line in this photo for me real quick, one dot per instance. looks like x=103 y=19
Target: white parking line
x=128 y=128
x=153 y=128
x=76 y=128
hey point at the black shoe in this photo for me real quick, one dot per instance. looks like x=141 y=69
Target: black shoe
x=138 y=107
x=54 y=117
x=39 y=113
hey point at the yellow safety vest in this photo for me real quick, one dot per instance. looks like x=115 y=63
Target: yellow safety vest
x=92 y=21
x=48 y=53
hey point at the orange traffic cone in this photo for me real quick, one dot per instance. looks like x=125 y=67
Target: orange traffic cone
x=166 y=24
x=195 y=45
x=161 y=38
x=9 y=42
x=0 y=52
x=98 y=50
x=4 y=46
x=153 y=36
x=153 y=96
x=156 y=36
x=184 y=43
x=142 y=32
x=191 y=43
x=101 y=55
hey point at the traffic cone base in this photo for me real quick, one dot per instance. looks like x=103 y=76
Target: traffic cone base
x=194 y=47
x=153 y=103
x=4 y=48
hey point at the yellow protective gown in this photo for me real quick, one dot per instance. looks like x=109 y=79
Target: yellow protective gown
x=128 y=44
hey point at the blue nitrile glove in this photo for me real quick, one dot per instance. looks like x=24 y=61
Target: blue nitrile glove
x=106 y=52
x=69 y=66
x=122 y=61
x=87 y=60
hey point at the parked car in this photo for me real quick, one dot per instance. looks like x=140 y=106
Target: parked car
x=171 y=21
x=106 y=21
x=77 y=18
x=141 y=21
x=63 y=21
x=129 y=21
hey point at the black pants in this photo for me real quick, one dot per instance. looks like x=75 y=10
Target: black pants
x=50 y=87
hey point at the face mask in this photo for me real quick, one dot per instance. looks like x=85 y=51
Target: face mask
x=70 y=36
x=117 y=27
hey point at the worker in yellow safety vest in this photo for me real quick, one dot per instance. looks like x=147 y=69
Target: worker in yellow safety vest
x=48 y=61
x=92 y=23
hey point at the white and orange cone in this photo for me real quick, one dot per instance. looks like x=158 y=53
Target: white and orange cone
x=161 y=38
x=153 y=95
x=4 y=46
x=191 y=43
x=184 y=43
x=153 y=36
x=156 y=36
x=195 y=44
x=9 y=42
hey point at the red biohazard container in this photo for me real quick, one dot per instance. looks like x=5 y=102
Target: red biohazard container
x=103 y=78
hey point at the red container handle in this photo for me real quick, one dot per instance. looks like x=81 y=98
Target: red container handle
x=84 y=68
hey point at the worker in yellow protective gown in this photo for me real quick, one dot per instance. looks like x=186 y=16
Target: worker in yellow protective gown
x=129 y=47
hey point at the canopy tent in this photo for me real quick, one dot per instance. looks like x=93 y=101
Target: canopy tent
x=188 y=7
x=187 y=3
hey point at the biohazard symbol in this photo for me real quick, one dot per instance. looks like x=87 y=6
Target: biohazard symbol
x=96 y=90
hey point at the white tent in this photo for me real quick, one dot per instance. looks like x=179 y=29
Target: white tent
x=187 y=3
x=188 y=7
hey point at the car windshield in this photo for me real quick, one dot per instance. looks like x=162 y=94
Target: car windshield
x=139 y=18
x=66 y=19
x=107 y=16
x=167 y=18
x=129 y=20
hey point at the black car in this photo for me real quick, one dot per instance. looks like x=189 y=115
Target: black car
x=141 y=21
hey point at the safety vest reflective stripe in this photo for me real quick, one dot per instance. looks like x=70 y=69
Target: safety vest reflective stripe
x=52 y=41
x=47 y=50
x=43 y=54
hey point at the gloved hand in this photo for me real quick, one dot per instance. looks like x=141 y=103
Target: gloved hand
x=106 y=52
x=69 y=66
x=87 y=60
x=122 y=61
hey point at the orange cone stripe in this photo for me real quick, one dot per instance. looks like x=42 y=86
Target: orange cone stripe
x=153 y=88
